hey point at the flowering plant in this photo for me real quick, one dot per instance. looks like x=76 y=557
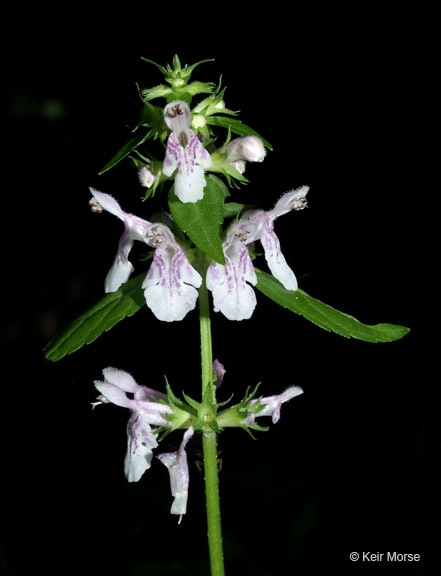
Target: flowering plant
x=202 y=251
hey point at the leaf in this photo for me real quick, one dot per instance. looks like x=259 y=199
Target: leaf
x=100 y=318
x=235 y=126
x=325 y=316
x=202 y=220
x=137 y=140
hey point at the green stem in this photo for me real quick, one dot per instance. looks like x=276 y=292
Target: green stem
x=210 y=444
x=206 y=348
x=213 y=506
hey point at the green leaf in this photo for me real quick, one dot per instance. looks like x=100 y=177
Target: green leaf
x=235 y=126
x=140 y=137
x=202 y=220
x=100 y=318
x=325 y=316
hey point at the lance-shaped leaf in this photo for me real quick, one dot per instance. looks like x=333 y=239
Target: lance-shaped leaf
x=325 y=316
x=235 y=126
x=139 y=138
x=202 y=220
x=150 y=125
x=98 y=319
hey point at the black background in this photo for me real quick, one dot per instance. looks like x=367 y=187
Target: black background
x=353 y=463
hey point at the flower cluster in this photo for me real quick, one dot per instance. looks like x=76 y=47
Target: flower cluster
x=171 y=284
x=187 y=159
x=152 y=412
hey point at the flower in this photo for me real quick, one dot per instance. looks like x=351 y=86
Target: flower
x=170 y=287
x=273 y=404
x=149 y=411
x=246 y=149
x=145 y=412
x=231 y=284
x=134 y=229
x=294 y=200
x=185 y=152
x=231 y=158
x=177 y=465
x=245 y=413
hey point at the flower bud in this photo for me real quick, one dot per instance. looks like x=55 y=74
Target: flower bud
x=198 y=121
x=248 y=148
x=219 y=370
x=146 y=177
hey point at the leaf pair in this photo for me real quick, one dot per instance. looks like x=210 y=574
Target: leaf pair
x=130 y=298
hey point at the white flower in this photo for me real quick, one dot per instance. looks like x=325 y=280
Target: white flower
x=273 y=404
x=231 y=284
x=146 y=412
x=170 y=287
x=185 y=153
x=177 y=465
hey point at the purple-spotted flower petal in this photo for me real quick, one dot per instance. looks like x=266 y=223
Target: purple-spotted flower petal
x=170 y=287
x=171 y=284
x=141 y=441
x=145 y=412
x=185 y=153
x=230 y=283
x=177 y=465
